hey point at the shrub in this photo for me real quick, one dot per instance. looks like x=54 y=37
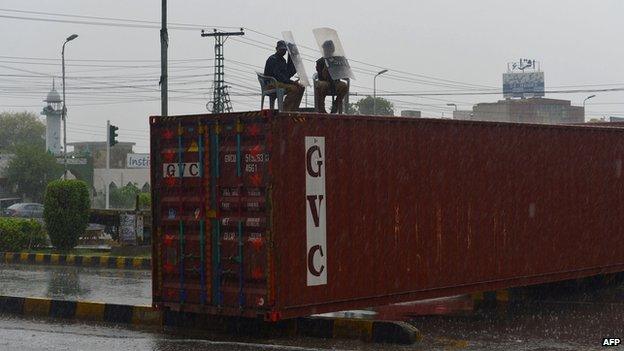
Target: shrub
x=145 y=201
x=66 y=212
x=20 y=234
x=33 y=230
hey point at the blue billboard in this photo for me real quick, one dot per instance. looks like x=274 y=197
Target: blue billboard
x=523 y=84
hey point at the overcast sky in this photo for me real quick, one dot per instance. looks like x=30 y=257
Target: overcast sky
x=459 y=45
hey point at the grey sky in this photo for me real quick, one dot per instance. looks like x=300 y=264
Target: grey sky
x=577 y=43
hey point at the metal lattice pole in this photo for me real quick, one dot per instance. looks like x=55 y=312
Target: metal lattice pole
x=220 y=96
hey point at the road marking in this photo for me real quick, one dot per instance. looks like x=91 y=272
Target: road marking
x=146 y=315
x=90 y=310
x=137 y=262
x=36 y=307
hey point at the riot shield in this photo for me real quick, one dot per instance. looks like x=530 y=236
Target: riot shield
x=294 y=54
x=333 y=53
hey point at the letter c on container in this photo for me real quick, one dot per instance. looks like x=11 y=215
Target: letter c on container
x=319 y=163
x=193 y=170
x=311 y=254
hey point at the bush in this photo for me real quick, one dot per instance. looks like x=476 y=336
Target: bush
x=66 y=212
x=20 y=234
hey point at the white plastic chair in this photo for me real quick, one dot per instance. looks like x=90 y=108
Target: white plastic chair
x=273 y=93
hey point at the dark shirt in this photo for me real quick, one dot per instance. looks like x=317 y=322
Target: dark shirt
x=277 y=67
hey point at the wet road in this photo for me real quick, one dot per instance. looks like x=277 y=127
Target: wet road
x=26 y=335
x=131 y=287
x=570 y=319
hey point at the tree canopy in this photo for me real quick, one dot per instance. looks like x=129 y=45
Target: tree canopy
x=31 y=169
x=365 y=107
x=19 y=128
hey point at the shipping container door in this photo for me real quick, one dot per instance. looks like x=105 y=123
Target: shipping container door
x=240 y=170
x=210 y=194
x=181 y=191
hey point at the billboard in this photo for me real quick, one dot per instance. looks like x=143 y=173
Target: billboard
x=523 y=84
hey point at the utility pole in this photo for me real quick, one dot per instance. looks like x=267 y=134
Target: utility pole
x=220 y=96
x=107 y=180
x=164 y=45
x=111 y=140
x=64 y=111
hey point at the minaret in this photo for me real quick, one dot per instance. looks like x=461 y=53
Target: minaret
x=52 y=111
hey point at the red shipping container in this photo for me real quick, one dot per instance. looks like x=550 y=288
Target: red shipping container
x=276 y=216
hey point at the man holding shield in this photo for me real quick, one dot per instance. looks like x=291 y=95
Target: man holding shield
x=325 y=85
x=277 y=67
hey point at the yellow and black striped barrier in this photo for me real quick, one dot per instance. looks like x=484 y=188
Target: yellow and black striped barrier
x=505 y=300
x=185 y=322
x=313 y=327
x=76 y=260
x=90 y=311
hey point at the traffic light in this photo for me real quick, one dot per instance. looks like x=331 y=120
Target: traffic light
x=112 y=134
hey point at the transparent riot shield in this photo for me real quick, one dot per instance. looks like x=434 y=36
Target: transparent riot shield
x=333 y=53
x=294 y=54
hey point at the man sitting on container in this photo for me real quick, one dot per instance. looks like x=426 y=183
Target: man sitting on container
x=325 y=85
x=277 y=67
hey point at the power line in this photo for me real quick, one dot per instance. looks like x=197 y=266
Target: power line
x=186 y=26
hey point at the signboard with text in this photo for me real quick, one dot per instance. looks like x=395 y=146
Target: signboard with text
x=523 y=84
x=138 y=161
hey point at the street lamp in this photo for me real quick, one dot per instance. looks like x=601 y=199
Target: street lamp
x=375 y=90
x=64 y=111
x=452 y=105
x=587 y=98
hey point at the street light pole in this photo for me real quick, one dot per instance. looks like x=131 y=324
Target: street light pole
x=375 y=90
x=451 y=104
x=64 y=111
x=587 y=98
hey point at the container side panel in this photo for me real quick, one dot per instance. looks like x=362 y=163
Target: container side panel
x=419 y=208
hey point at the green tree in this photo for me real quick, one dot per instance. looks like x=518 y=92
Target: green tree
x=145 y=201
x=66 y=212
x=124 y=197
x=20 y=127
x=31 y=169
x=383 y=108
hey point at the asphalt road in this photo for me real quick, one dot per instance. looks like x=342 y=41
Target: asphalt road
x=26 y=334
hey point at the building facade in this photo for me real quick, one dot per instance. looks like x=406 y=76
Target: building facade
x=410 y=113
x=534 y=110
x=120 y=173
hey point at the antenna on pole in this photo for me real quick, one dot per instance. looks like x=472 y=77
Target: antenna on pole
x=220 y=96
